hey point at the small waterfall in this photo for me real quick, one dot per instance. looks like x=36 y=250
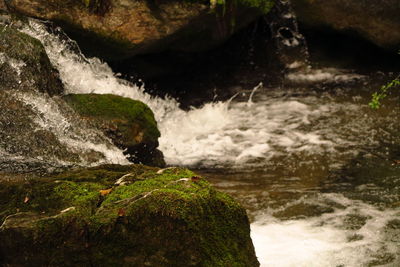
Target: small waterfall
x=290 y=44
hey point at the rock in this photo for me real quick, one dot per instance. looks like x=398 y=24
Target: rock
x=3 y=6
x=301 y=211
x=376 y=21
x=26 y=79
x=130 y=124
x=120 y=28
x=38 y=133
x=24 y=64
x=80 y=218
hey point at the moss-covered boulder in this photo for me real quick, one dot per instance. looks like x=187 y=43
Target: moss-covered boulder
x=121 y=216
x=130 y=124
x=24 y=64
x=376 y=21
x=115 y=29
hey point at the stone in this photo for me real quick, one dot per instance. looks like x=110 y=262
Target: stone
x=376 y=21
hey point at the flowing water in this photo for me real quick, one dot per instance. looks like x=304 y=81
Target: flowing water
x=316 y=168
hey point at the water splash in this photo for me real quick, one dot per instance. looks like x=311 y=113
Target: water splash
x=76 y=138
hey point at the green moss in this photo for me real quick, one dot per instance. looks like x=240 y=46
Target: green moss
x=86 y=2
x=264 y=5
x=125 y=113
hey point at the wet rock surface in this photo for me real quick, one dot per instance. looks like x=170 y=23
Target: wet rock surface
x=24 y=64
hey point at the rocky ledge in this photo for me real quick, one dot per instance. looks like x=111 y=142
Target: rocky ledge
x=121 y=216
x=376 y=21
x=115 y=29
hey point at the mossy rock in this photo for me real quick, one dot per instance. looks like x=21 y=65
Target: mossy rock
x=129 y=123
x=24 y=64
x=121 y=216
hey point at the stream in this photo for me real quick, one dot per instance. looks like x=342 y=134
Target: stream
x=317 y=169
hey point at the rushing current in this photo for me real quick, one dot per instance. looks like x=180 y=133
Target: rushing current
x=316 y=168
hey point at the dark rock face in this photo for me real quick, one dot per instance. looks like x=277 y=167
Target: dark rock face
x=120 y=29
x=128 y=123
x=3 y=6
x=121 y=216
x=24 y=64
x=376 y=21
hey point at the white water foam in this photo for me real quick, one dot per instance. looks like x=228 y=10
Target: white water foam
x=218 y=134
x=323 y=241
x=322 y=75
x=16 y=64
x=74 y=137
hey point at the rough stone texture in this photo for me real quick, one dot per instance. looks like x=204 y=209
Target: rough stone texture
x=129 y=123
x=24 y=64
x=376 y=21
x=121 y=216
x=121 y=28
x=3 y=6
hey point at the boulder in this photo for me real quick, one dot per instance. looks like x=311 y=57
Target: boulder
x=115 y=29
x=376 y=21
x=24 y=64
x=130 y=124
x=121 y=216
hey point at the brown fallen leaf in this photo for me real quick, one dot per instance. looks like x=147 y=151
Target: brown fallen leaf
x=195 y=178
x=26 y=199
x=121 y=212
x=105 y=192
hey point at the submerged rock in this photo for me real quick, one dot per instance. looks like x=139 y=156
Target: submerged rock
x=130 y=124
x=120 y=29
x=24 y=64
x=376 y=21
x=121 y=216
